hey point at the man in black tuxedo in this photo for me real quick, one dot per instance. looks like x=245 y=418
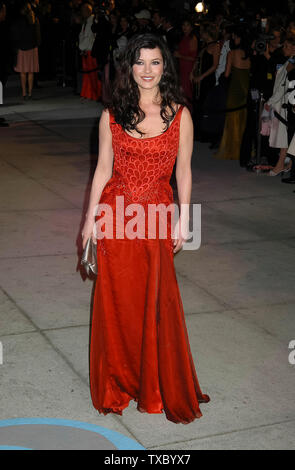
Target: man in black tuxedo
x=172 y=35
x=158 y=19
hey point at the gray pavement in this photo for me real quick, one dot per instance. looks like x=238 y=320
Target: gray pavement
x=237 y=289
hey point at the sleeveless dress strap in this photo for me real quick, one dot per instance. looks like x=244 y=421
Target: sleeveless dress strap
x=111 y=117
x=176 y=118
x=179 y=112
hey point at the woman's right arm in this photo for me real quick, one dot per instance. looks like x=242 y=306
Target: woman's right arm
x=229 y=62
x=278 y=89
x=102 y=175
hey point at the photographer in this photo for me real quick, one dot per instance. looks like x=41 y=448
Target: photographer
x=266 y=59
x=291 y=127
x=278 y=104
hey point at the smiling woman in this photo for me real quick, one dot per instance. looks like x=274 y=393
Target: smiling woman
x=146 y=65
x=139 y=343
x=148 y=69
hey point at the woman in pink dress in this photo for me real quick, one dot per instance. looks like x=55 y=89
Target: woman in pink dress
x=26 y=38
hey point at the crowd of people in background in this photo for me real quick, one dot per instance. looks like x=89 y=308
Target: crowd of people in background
x=235 y=62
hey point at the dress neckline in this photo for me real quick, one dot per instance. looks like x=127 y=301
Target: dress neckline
x=141 y=139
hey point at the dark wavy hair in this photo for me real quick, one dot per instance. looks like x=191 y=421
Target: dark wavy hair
x=125 y=92
x=243 y=32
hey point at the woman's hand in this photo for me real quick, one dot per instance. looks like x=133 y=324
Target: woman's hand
x=88 y=231
x=198 y=79
x=267 y=53
x=181 y=233
x=267 y=107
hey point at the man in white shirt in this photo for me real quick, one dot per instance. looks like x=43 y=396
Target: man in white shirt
x=86 y=36
x=225 y=48
x=91 y=85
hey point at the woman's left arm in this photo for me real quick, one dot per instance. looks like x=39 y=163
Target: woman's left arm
x=228 y=67
x=184 y=177
x=216 y=58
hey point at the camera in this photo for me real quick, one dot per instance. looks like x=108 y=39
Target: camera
x=261 y=42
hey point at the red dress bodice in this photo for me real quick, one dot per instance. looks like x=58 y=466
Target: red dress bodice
x=143 y=166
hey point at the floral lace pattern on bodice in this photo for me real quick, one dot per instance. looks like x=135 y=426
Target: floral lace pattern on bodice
x=143 y=166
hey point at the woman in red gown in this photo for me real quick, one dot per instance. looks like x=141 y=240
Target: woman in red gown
x=139 y=343
x=187 y=53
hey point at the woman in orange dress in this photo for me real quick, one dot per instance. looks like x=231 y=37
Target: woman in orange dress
x=139 y=342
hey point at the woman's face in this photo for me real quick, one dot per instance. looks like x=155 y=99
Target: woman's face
x=203 y=34
x=186 y=27
x=236 y=40
x=113 y=20
x=26 y=9
x=206 y=37
x=277 y=39
x=124 y=23
x=148 y=70
x=288 y=49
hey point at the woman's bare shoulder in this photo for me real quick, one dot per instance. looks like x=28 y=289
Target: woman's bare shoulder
x=185 y=110
x=177 y=106
x=104 y=122
x=105 y=113
x=214 y=47
x=239 y=59
x=186 y=113
x=186 y=122
x=194 y=39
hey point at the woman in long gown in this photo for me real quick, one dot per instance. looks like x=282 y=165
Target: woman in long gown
x=186 y=54
x=238 y=71
x=203 y=74
x=139 y=343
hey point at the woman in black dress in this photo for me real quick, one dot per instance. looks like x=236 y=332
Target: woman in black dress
x=203 y=74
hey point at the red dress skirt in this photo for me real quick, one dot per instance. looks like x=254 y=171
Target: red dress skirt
x=91 y=85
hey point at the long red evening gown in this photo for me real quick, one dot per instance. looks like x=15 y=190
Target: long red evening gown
x=139 y=343
x=186 y=67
